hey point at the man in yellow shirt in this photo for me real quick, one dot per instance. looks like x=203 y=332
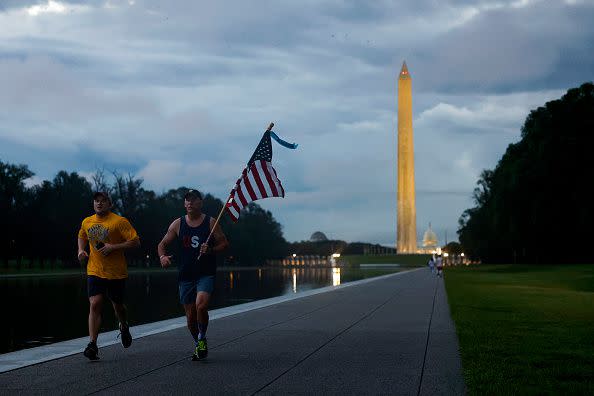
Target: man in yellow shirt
x=108 y=235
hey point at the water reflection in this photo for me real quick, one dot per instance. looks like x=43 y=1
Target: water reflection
x=61 y=303
x=335 y=276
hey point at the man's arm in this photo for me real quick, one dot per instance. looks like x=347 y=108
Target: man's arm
x=128 y=233
x=169 y=237
x=82 y=253
x=110 y=247
x=220 y=239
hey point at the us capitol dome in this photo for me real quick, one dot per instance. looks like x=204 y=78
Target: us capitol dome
x=318 y=236
x=430 y=241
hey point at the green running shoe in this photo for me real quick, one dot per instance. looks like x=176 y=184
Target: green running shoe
x=201 y=349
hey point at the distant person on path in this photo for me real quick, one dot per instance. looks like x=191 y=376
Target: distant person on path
x=196 y=278
x=439 y=265
x=108 y=236
x=431 y=264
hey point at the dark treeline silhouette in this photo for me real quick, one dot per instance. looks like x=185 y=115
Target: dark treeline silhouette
x=453 y=248
x=40 y=223
x=534 y=206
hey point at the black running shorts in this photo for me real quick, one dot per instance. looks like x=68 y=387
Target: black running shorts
x=113 y=288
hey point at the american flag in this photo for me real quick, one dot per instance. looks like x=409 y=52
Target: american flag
x=258 y=180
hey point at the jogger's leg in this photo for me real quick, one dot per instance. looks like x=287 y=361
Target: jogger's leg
x=95 y=309
x=202 y=301
x=121 y=312
x=191 y=320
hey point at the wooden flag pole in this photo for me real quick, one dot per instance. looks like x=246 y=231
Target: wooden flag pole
x=225 y=206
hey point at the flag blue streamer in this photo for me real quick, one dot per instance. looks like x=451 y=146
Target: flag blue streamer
x=282 y=142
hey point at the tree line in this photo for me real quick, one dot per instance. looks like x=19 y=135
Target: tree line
x=41 y=222
x=534 y=207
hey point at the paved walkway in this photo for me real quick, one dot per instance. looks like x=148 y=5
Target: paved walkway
x=393 y=335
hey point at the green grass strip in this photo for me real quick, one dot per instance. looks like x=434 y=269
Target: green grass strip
x=524 y=330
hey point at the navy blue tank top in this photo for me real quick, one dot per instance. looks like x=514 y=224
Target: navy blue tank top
x=190 y=239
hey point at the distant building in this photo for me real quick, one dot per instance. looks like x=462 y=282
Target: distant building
x=318 y=236
x=430 y=242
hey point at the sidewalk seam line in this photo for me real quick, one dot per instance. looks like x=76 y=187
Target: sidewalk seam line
x=428 y=335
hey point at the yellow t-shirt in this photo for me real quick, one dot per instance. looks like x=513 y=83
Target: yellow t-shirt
x=109 y=229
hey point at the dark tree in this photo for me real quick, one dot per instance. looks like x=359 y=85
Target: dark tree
x=57 y=209
x=257 y=236
x=41 y=223
x=13 y=198
x=533 y=207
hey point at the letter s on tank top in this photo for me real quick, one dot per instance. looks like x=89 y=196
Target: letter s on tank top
x=190 y=239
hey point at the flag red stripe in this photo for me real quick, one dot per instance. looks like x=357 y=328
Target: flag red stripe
x=232 y=215
x=229 y=205
x=256 y=182
x=271 y=182
x=256 y=174
x=279 y=183
x=261 y=166
x=241 y=197
x=233 y=210
x=250 y=190
x=276 y=180
x=250 y=179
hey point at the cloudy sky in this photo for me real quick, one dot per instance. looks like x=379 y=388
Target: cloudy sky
x=179 y=93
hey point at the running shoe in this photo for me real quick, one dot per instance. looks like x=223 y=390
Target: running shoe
x=91 y=351
x=202 y=348
x=126 y=336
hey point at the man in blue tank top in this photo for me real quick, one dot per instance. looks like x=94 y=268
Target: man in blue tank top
x=195 y=277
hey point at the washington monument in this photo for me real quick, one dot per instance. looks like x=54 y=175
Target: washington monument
x=406 y=230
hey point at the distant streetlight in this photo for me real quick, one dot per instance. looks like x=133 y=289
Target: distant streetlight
x=336 y=255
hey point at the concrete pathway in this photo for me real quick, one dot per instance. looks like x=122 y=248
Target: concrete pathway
x=392 y=335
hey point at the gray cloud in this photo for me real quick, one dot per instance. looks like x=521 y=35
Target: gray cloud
x=179 y=93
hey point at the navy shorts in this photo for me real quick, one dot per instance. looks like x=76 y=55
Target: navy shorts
x=113 y=288
x=189 y=289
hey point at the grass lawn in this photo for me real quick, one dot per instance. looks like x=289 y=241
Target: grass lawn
x=524 y=329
